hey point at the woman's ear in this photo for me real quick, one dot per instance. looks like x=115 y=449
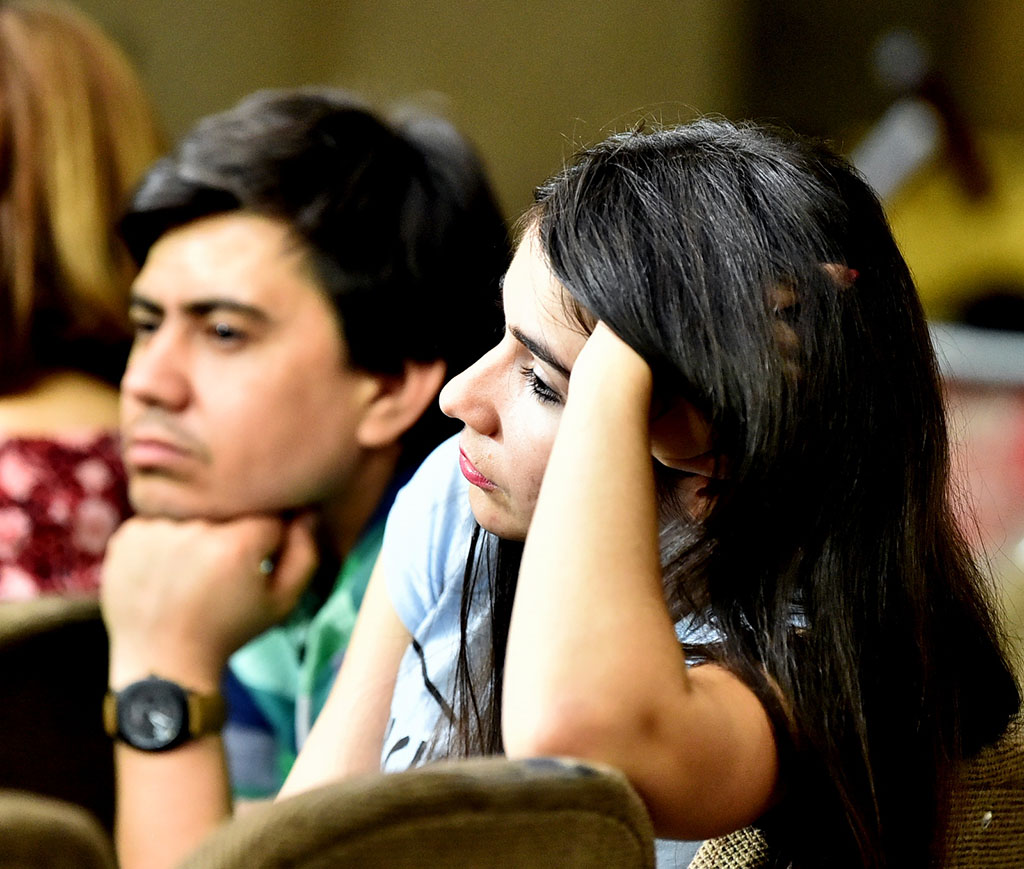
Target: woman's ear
x=400 y=400
x=696 y=495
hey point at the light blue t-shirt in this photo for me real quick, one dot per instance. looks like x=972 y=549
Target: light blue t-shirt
x=426 y=542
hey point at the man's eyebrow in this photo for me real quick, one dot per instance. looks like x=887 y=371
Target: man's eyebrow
x=135 y=300
x=202 y=307
x=539 y=350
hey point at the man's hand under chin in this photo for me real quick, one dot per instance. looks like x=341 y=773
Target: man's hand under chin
x=179 y=597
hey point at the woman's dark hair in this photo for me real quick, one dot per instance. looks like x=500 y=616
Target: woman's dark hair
x=396 y=216
x=757 y=275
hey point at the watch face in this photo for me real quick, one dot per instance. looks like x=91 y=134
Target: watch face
x=152 y=714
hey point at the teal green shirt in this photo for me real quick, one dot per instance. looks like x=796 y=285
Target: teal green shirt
x=278 y=683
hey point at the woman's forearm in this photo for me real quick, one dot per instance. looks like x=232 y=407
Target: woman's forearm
x=590 y=627
x=594 y=668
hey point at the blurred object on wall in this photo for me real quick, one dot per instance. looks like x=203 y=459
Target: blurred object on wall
x=931 y=95
x=983 y=370
x=955 y=195
x=923 y=122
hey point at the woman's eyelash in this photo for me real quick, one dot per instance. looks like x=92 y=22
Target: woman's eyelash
x=539 y=388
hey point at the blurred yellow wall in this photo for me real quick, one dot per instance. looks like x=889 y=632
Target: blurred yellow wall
x=525 y=80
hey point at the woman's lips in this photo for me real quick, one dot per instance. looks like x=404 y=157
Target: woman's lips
x=470 y=472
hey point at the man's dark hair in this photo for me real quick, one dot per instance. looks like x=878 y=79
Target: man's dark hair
x=400 y=226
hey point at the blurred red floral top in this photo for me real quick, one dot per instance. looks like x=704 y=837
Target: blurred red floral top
x=60 y=500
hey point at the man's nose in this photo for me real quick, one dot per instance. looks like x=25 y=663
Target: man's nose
x=156 y=373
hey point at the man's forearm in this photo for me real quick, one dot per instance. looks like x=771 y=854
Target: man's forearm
x=178 y=599
x=168 y=802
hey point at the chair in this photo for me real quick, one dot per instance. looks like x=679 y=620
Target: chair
x=986 y=819
x=487 y=812
x=43 y=833
x=986 y=828
x=743 y=849
x=53 y=674
x=549 y=813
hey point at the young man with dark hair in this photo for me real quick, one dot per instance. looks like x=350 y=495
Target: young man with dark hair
x=310 y=275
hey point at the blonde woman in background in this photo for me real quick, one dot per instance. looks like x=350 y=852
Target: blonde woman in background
x=76 y=133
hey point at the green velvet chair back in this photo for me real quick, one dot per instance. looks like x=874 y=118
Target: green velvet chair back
x=488 y=812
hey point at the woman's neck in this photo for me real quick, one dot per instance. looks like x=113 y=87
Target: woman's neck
x=57 y=402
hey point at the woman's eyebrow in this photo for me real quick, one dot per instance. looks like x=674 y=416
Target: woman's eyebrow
x=539 y=350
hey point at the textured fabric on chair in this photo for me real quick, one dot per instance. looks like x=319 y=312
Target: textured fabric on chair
x=986 y=819
x=53 y=674
x=487 y=812
x=986 y=829
x=744 y=849
x=41 y=833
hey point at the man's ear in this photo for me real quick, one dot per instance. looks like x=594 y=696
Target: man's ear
x=401 y=399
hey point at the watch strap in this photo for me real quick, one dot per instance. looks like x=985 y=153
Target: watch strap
x=110 y=714
x=207 y=713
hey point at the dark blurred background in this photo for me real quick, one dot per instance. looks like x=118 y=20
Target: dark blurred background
x=530 y=80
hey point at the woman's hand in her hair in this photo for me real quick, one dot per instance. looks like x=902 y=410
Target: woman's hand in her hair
x=593 y=667
x=680 y=434
x=605 y=363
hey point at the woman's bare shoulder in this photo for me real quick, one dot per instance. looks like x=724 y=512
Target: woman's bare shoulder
x=60 y=402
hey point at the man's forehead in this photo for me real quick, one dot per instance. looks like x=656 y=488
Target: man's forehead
x=228 y=260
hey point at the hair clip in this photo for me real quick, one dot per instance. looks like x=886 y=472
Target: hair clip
x=842 y=275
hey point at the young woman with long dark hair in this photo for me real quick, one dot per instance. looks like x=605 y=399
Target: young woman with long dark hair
x=742 y=582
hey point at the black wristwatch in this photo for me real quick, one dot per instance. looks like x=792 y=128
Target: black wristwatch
x=156 y=714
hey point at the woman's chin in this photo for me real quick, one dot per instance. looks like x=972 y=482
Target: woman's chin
x=495 y=517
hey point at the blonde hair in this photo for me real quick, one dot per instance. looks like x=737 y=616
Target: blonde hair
x=76 y=133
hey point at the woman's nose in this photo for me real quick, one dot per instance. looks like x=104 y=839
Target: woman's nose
x=471 y=395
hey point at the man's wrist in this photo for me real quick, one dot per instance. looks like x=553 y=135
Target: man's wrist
x=127 y=667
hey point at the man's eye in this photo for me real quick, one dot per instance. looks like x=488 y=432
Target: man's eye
x=144 y=327
x=224 y=332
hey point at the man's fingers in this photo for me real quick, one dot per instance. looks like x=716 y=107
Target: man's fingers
x=295 y=560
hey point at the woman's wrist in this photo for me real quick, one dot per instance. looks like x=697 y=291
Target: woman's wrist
x=609 y=368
